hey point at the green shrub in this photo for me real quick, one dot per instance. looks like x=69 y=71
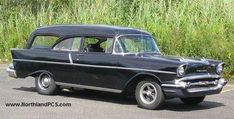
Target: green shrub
x=195 y=28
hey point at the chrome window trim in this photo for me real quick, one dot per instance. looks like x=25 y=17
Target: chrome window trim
x=116 y=39
x=97 y=66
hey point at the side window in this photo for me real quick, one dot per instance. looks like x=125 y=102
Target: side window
x=70 y=44
x=98 y=44
x=41 y=42
x=108 y=45
x=88 y=41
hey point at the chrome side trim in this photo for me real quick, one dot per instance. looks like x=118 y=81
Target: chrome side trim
x=70 y=58
x=89 y=87
x=97 y=66
x=11 y=72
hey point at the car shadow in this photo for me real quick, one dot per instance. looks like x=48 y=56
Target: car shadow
x=90 y=95
x=100 y=96
x=176 y=105
x=27 y=89
x=170 y=104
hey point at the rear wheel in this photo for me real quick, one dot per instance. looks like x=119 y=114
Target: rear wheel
x=192 y=100
x=149 y=94
x=45 y=84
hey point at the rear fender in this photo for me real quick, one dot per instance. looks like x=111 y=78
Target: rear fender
x=37 y=73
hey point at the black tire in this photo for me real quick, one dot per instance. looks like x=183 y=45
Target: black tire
x=192 y=100
x=51 y=89
x=158 y=96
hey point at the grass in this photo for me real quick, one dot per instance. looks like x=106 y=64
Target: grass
x=194 y=28
x=231 y=81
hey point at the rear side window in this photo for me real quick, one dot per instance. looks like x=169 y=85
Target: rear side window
x=70 y=44
x=41 y=42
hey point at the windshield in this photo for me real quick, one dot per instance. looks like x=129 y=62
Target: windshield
x=135 y=44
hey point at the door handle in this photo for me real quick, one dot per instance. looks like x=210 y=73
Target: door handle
x=79 y=54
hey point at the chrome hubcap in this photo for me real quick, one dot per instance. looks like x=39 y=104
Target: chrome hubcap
x=44 y=81
x=148 y=93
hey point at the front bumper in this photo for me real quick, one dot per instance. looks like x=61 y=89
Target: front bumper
x=11 y=72
x=187 y=87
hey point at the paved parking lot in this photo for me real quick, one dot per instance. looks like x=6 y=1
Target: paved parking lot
x=99 y=105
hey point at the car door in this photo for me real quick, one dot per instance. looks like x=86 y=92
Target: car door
x=97 y=68
x=66 y=72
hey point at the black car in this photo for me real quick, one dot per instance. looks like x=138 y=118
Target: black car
x=114 y=59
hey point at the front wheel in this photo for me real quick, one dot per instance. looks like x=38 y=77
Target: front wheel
x=45 y=84
x=192 y=100
x=149 y=94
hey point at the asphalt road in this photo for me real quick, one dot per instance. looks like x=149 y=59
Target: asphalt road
x=99 y=105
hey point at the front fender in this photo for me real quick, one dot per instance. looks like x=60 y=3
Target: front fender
x=131 y=83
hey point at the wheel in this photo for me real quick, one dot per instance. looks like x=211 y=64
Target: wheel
x=149 y=94
x=192 y=100
x=45 y=84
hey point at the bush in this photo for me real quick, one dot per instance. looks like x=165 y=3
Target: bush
x=194 y=28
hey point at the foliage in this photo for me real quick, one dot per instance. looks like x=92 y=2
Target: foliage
x=195 y=28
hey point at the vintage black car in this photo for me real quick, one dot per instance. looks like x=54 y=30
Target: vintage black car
x=114 y=59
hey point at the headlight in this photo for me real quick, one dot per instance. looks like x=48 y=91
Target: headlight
x=181 y=71
x=219 y=68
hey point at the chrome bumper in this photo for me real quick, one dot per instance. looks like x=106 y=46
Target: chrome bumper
x=184 y=85
x=183 y=88
x=11 y=72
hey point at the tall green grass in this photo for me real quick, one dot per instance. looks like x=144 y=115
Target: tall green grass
x=195 y=28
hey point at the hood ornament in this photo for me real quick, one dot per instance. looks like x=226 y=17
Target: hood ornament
x=182 y=59
x=204 y=60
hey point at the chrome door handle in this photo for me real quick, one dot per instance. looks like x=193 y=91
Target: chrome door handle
x=79 y=54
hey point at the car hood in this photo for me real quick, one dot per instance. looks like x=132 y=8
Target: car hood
x=177 y=59
x=193 y=65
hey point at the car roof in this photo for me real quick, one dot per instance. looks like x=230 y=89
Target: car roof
x=87 y=30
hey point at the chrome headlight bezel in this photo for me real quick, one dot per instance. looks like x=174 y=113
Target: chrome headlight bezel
x=181 y=70
x=11 y=65
x=219 y=68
